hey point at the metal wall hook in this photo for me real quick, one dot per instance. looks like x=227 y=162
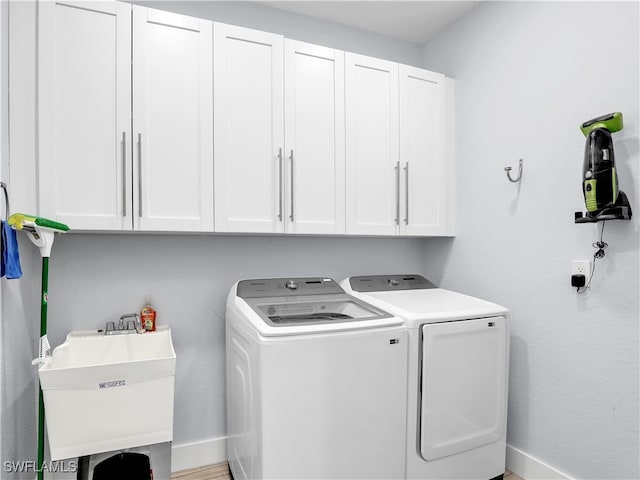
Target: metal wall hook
x=508 y=170
x=7 y=211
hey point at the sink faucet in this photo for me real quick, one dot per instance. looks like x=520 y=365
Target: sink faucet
x=133 y=326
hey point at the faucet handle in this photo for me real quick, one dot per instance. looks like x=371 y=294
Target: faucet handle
x=111 y=326
x=134 y=324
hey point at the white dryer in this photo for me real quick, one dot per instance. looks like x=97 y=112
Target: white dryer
x=458 y=373
x=316 y=383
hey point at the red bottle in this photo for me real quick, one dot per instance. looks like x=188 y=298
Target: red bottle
x=148 y=316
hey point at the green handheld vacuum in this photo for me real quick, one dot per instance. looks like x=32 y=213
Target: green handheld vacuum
x=603 y=199
x=41 y=232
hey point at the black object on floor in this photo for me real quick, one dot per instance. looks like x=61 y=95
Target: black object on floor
x=132 y=466
x=83 y=468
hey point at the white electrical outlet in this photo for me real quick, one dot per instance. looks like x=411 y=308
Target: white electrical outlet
x=582 y=267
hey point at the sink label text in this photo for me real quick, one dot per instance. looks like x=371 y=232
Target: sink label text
x=111 y=384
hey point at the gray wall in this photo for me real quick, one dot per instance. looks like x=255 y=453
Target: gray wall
x=95 y=278
x=527 y=74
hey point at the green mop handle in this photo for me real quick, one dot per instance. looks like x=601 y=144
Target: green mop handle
x=43 y=331
x=41 y=232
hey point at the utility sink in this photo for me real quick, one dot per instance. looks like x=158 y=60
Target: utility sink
x=109 y=392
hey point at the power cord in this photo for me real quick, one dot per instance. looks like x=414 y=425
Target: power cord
x=601 y=246
x=598 y=254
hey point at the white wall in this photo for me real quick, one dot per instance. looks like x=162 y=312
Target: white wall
x=98 y=278
x=19 y=329
x=4 y=87
x=527 y=74
x=295 y=26
x=4 y=129
x=95 y=278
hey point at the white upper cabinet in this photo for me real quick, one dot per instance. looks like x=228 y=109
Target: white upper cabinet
x=425 y=172
x=278 y=134
x=108 y=164
x=84 y=120
x=399 y=174
x=172 y=122
x=248 y=130
x=153 y=121
x=372 y=136
x=314 y=139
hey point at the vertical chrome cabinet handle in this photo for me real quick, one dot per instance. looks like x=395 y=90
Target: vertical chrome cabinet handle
x=397 y=170
x=140 y=175
x=124 y=174
x=406 y=194
x=292 y=178
x=281 y=185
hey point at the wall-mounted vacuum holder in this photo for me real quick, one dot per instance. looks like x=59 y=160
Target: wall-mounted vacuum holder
x=603 y=199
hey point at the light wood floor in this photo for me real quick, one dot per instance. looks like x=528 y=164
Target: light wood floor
x=221 y=472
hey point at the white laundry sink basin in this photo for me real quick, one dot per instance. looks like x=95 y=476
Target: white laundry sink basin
x=109 y=392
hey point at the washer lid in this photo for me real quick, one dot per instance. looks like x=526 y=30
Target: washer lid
x=428 y=305
x=294 y=306
x=308 y=310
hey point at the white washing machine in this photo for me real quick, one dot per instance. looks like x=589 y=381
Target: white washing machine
x=458 y=373
x=316 y=383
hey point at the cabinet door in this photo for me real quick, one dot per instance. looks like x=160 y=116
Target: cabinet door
x=373 y=170
x=248 y=130
x=84 y=166
x=172 y=122
x=314 y=139
x=422 y=153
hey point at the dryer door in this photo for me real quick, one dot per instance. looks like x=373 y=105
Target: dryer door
x=464 y=385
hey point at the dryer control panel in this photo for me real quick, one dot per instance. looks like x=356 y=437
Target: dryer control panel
x=286 y=287
x=388 y=283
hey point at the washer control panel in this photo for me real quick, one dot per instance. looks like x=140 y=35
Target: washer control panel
x=285 y=287
x=388 y=283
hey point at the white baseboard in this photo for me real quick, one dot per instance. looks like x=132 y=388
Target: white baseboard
x=530 y=468
x=198 y=454
x=212 y=451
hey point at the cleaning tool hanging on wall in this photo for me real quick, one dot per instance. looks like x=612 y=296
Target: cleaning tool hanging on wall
x=599 y=177
x=41 y=232
x=603 y=200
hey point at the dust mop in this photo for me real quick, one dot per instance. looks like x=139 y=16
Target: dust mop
x=41 y=232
